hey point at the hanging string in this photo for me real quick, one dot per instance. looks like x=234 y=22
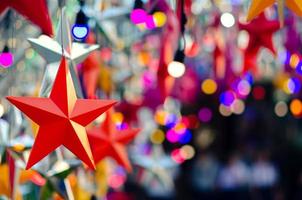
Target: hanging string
x=183 y=21
x=62 y=43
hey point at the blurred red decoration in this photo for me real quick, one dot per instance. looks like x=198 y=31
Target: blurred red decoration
x=260 y=31
x=107 y=141
x=34 y=10
x=258 y=92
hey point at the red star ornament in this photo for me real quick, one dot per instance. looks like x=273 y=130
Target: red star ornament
x=260 y=32
x=107 y=141
x=34 y=10
x=61 y=118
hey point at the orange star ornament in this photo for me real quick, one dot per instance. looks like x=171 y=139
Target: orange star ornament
x=61 y=118
x=258 y=6
x=107 y=141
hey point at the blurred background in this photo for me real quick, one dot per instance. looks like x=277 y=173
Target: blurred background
x=217 y=99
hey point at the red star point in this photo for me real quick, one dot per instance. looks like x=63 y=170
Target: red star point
x=34 y=10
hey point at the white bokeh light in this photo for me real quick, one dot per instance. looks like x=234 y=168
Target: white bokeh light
x=1 y=110
x=176 y=69
x=227 y=20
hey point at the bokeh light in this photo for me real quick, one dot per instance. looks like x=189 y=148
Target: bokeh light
x=1 y=110
x=80 y=31
x=299 y=68
x=187 y=152
x=225 y=110
x=176 y=69
x=205 y=138
x=172 y=136
x=294 y=61
x=281 y=109
x=244 y=87
x=157 y=137
x=160 y=117
x=296 y=107
x=209 y=86
x=185 y=137
x=160 y=19
x=238 y=107
x=227 y=20
x=138 y=16
x=6 y=59
x=292 y=86
x=227 y=98
x=205 y=114
x=177 y=156
x=258 y=92
x=118 y=178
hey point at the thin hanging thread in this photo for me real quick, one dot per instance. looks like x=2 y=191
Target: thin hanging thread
x=62 y=43
x=12 y=18
x=183 y=21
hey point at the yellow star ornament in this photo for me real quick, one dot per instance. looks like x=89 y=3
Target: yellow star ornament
x=258 y=6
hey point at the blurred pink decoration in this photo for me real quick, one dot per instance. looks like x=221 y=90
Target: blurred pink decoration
x=150 y=22
x=6 y=59
x=138 y=16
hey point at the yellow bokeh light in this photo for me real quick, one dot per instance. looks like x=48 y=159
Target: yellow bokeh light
x=294 y=61
x=180 y=127
x=296 y=107
x=160 y=19
x=157 y=137
x=160 y=117
x=209 y=86
x=19 y=147
x=117 y=117
x=144 y=57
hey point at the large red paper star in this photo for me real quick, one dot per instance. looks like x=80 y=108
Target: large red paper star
x=106 y=140
x=34 y=10
x=261 y=32
x=61 y=118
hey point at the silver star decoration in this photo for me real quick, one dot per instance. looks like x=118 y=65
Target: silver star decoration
x=158 y=167
x=52 y=51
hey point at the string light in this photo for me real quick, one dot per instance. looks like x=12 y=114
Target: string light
x=6 y=58
x=227 y=20
x=176 y=69
x=1 y=110
x=160 y=19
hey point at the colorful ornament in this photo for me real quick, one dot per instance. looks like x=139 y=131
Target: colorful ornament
x=261 y=32
x=62 y=118
x=106 y=140
x=258 y=6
